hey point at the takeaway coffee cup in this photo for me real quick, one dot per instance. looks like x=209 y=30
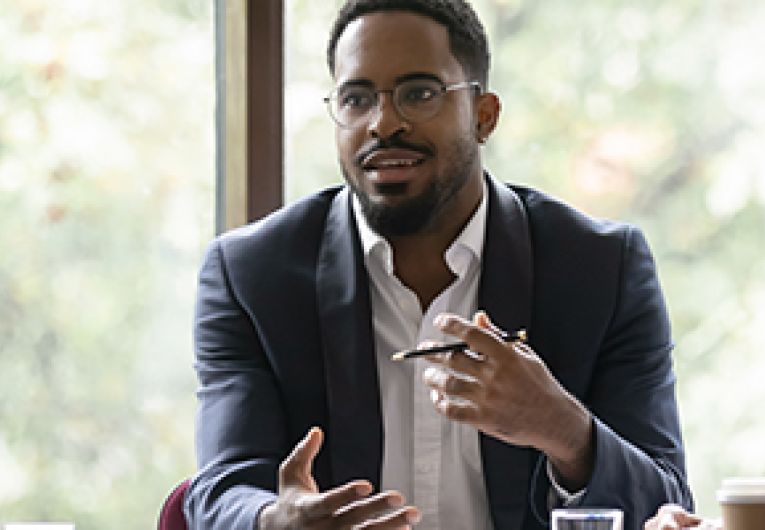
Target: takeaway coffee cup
x=743 y=503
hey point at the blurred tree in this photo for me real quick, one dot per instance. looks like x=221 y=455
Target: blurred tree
x=106 y=189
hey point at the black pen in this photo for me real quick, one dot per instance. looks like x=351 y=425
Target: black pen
x=518 y=336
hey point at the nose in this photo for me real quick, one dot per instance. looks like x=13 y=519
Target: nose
x=385 y=120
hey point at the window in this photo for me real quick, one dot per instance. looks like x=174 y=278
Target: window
x=107 y=200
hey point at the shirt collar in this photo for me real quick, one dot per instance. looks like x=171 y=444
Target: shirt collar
x=471 y=239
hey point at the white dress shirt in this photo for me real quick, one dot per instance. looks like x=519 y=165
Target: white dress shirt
x=434 y=462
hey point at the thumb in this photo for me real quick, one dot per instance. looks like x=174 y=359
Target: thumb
x=482 y=320
x=295 y=470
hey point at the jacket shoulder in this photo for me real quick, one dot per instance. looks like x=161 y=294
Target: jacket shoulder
x=548 y=213
x=304 y=216
x=290 y=232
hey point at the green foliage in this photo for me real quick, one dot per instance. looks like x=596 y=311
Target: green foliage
x=648 y=111
x=106 y=181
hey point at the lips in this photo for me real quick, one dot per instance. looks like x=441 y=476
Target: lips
x=392 y=165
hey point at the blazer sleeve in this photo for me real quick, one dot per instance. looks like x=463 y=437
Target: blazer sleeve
x=639 y=456
x=240 y=427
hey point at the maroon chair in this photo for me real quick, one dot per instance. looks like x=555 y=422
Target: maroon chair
x=171 y=515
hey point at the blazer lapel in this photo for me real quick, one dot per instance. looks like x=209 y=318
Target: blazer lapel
x=505 y=294
x=506 y=279
x=355 y=430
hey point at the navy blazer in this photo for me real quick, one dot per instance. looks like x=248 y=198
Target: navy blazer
x=284 y=341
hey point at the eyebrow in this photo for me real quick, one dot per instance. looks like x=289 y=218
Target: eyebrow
x=400 y=79
x=418 y=75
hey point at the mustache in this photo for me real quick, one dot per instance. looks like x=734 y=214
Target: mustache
x=394 y=142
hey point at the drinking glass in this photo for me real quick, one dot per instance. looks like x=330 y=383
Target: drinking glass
x=587 y=519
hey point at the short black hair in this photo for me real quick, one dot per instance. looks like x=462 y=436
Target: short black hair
x=467 y=37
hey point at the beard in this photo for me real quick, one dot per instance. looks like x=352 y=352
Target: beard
x=420 y=213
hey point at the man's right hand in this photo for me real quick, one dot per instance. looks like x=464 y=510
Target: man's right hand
x=352 y=505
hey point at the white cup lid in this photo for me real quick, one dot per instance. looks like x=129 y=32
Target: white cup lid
x=744 y=490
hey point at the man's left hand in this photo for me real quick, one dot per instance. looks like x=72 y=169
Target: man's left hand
x=505 y=390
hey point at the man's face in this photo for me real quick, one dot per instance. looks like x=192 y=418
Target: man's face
x=408 y=176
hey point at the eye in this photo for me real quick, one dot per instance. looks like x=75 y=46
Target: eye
x=355 y=98
x=418 y=93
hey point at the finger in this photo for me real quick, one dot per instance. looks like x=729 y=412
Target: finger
x=482 y=320
x=327 y=503
x=523 y=349
x=295 y=470
x=664 y=516
x=401 y=518
x=455 y=408
x=461 y=362
x=674 y=520
x=384 y=510
x=451 y=383
x=368 y=508
x=677 y=514
x=479 y=339
x=664 y=522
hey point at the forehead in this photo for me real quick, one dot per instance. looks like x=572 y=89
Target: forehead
x=380 y=47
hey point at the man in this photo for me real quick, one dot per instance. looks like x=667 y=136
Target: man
x=299 y=314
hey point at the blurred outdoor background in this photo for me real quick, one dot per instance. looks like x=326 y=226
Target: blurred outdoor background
x=652 y=112
x=106 y=194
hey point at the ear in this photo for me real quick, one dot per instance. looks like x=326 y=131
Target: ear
x=488 y=108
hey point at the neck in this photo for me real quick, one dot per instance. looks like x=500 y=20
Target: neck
x=418 y=259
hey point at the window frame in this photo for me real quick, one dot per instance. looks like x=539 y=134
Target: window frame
x=249 y=71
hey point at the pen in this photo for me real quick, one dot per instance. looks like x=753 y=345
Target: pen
x=518 y=336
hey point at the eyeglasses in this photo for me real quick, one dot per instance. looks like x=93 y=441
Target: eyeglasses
x=416 y=100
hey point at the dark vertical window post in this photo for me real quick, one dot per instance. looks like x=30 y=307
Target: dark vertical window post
x=249 y=113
